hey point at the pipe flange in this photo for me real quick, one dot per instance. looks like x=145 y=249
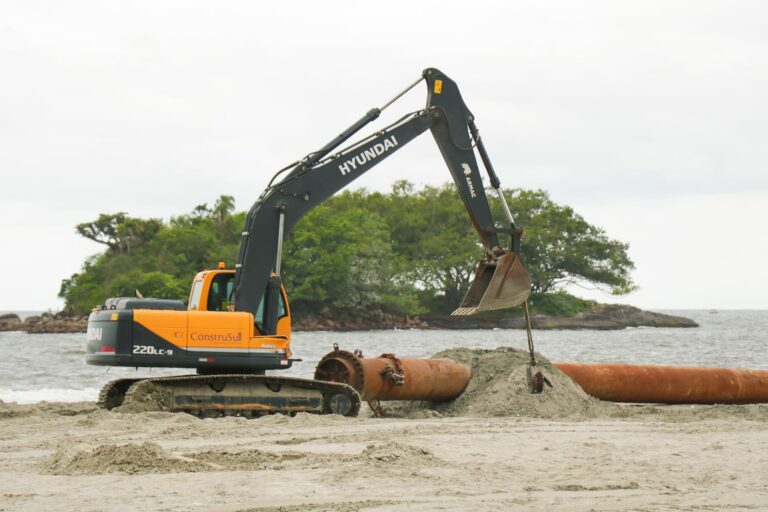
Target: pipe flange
x=341 y=366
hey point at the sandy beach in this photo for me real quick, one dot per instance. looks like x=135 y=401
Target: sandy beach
x=356 y=257
x=494 y=448
x=72 y=457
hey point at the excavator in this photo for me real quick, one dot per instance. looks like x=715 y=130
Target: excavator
x=236 y=324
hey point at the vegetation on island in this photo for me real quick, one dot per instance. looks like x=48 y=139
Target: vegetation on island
x=410 y=251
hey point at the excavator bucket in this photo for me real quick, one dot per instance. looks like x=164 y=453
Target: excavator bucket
x=497 y=285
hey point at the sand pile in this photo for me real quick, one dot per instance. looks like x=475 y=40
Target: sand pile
x=384 y=459
x=14 y=410
x=245 y=460
x=499 y=388
x=385 y=453
x=302 y=419
x=392 y=452
x=128 y=458
x=8 y=410
x=145 y=396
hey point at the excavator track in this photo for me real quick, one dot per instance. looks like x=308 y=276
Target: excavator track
x=230 y=395
x=113 y=393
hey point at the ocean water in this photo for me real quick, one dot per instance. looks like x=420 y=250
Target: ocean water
x=37 y=367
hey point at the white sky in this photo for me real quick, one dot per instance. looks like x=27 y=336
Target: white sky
x=650 y=118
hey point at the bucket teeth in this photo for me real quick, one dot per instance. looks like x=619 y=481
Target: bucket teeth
x=464 y=311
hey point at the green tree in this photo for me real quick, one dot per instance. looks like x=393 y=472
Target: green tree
x=559 y=247
x=156 y=258
x=410 y=250
x=338 y=254
x=437 y=248
x=155 y=284
x=119 y=232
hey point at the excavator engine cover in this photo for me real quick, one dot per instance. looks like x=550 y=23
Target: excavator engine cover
x=500 y=284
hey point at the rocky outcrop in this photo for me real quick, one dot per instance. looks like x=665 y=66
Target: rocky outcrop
x=10 y=322
x=601 y=317
x=613 y=316
x=45 y=323
x=335 y=320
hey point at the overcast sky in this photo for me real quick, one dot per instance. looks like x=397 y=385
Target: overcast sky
x=649 y=118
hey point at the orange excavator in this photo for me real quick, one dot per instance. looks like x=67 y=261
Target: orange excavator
x=237 y=322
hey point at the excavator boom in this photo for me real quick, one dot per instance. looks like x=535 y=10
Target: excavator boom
x=501 y=280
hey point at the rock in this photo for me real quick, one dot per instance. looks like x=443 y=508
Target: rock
x=45 y=323
x=601 y=317
x=614 y=316
x=10 y=322
x=9 y=317
x=59 y=324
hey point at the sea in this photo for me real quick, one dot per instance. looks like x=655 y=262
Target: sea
x=51 y=367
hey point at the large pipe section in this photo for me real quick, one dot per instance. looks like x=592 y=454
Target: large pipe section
x=669 y=384
x=389 y=378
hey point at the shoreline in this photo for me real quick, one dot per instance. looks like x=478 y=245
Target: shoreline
x=602 y=317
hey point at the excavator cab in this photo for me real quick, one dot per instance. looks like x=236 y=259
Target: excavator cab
x=212 y=290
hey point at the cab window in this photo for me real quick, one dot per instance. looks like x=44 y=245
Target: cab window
x=260 y=312
x=220 y=293
x=194 y=297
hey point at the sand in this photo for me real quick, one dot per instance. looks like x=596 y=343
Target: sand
x=132 y=458
x=496 y=448
x=499 y=388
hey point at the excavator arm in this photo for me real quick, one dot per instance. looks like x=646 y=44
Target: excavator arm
x=501 y=280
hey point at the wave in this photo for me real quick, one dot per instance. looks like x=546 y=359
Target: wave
x=32 y=396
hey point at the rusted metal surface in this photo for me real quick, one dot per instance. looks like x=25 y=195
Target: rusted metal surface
x=389 y=378
x=669 y=384
x=535 y=378
x=500 y=284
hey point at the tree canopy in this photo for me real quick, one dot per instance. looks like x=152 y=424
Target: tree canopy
x=409 y=251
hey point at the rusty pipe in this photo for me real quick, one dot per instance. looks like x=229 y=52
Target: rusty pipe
x=669 y=384
x=389 y=378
